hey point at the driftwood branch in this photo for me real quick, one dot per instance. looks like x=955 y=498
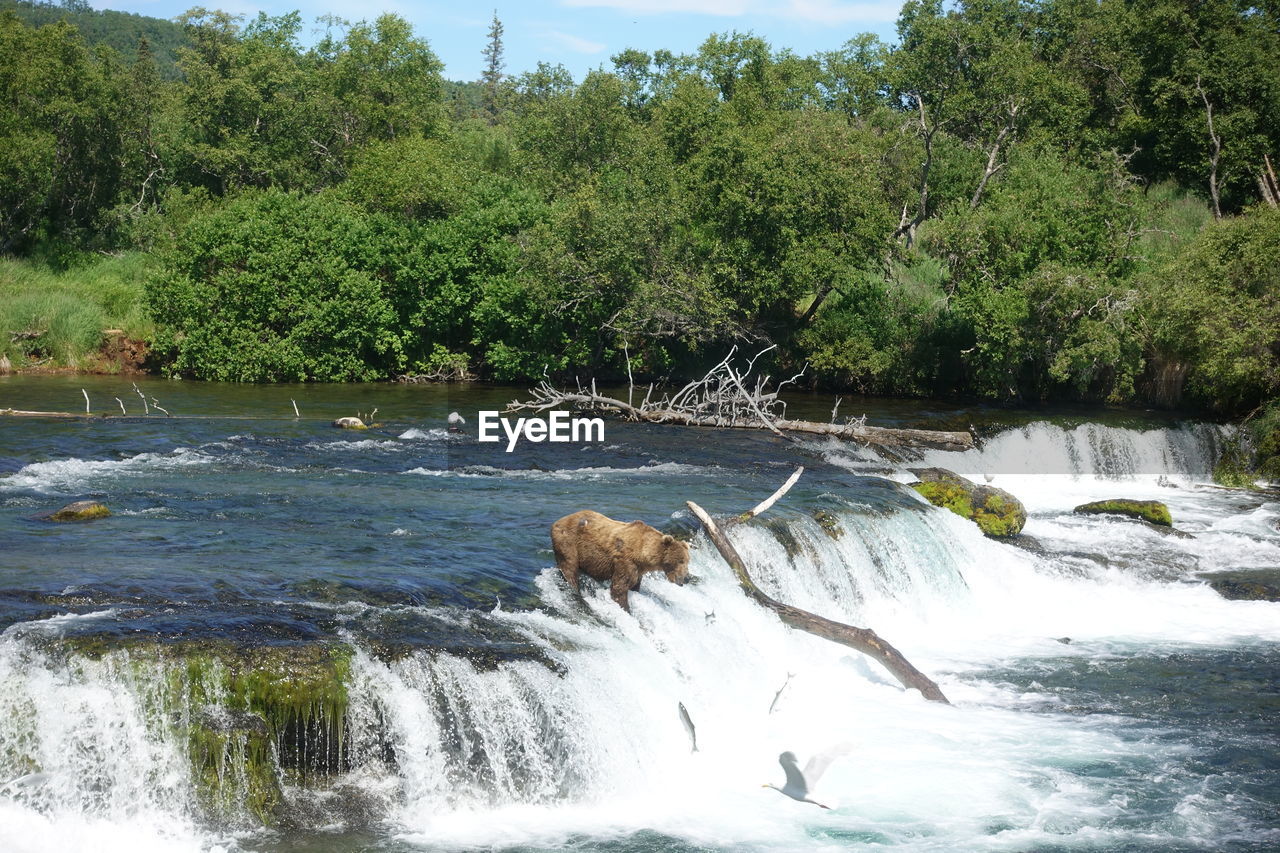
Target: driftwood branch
x=864 y=640
x=764 y=505
x=725 y=398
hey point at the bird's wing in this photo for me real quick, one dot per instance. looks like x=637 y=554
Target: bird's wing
x=819 y=763
x=795 y=779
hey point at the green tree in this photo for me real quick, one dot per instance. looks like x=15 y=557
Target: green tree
x=491 y=77
x=1215 y=314
x=61 y=132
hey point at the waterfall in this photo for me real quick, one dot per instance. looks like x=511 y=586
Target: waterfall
x=199 y=744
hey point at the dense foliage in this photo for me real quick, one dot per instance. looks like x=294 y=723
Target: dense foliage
x=1016 y=200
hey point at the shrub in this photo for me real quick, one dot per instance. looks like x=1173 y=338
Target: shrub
x=277 y=287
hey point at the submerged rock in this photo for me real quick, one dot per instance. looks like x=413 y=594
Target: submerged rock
x=829 y=523
x=1154 y=512
x=996 y=512
x=1246 y=585
x=350 y=423
x=81 y=511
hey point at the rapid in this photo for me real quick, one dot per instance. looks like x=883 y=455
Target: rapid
x=455 y=695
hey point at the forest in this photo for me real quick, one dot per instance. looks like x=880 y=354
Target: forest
x=1014 y=200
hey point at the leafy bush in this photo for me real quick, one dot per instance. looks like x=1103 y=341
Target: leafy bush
x=1215 y=307
x=278 y=287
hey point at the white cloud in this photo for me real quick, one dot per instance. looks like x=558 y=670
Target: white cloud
x=728 y=8
x=814 y=11
x=573 y=43
x=835 y=12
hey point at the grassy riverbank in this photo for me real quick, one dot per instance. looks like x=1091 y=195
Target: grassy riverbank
x=69 y=318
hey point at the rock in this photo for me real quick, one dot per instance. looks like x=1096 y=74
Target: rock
x=350 y=423
x=996 y=512
x=1028 y=543
x=81 y=511
x=5 y=365
x=829 y=523
x=1246 y=585
x=1152 y=511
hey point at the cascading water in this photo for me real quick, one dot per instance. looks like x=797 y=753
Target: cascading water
x=571 y=735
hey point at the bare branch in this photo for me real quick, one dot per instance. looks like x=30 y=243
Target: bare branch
x=764 y=505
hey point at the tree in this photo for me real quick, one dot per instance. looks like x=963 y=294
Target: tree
x=491 y=77
x=1207 y=93
x=247 y=113
x=61 y=132
x=383 y=83
x=1214 y=309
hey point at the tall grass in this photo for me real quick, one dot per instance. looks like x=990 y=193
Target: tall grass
x=57 y=317
x=1175 y=217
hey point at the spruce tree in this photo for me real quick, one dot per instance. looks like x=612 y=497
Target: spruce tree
x=491 y=78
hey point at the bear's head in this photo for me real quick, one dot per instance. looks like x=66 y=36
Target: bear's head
x=675 y=559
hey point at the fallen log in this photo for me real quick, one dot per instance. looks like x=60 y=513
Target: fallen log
x=19 y=413
x=724 y=399
x=864 y=640
x=883 y=436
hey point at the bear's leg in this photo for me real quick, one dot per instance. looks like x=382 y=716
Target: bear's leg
x=567 y=560
x=624 y=578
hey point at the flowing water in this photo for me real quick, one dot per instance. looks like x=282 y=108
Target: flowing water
x=424 y=680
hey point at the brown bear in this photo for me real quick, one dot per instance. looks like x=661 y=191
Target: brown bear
x=616 y=551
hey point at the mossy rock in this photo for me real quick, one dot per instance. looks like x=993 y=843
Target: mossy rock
x=232 y=763
x=997 y=513
x=350 y=423
x=1154 y=512
x=81 y=511
x=786 y=536
x=1232 y=472
x=252 y=717
x=829 y=523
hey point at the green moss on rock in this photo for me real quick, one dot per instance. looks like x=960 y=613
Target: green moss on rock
x=81 y=511
x=1154 y=512
x=829 y=523
x=233 y=763
x=252 y=717
x=948 y=496
x=996 y=512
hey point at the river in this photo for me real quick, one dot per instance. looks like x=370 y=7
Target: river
x=289 y=637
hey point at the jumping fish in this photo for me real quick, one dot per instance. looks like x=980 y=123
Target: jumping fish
x=30 y=780
x=774 y=703
x=688 y=726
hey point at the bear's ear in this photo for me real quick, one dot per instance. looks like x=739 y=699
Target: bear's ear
x=666 y=539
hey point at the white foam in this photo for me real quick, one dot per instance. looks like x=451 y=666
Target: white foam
x=74 y=475
x=664 y=469
x=415 y=434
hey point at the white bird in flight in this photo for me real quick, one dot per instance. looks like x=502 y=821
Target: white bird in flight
x=800 y=783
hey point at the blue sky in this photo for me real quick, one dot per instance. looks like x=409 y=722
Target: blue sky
x=580 y=34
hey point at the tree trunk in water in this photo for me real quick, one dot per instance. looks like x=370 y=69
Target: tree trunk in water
x=863 y=639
